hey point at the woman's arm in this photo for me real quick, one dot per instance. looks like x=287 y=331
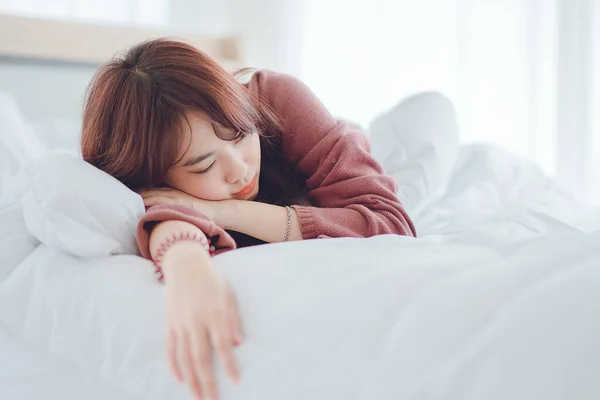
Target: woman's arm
x=166 y=231
x=349 y=190
x=174 y=237
x=260 y=220
x=175 y=215
x=202 y=315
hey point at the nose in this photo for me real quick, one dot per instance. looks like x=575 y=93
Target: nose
x=238 y=169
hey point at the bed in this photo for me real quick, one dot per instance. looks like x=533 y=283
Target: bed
x=498 y=298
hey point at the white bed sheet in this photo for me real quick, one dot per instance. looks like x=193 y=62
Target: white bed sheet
x=28 y=373
x=384 y=318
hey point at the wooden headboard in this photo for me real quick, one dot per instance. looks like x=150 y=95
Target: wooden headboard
x=94 y=44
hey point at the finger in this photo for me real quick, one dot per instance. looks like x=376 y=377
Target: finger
x=149 y=202
x=234 y=321
x=222 y=342
x=147 y=193
x=189 y=370
x=203 y=363
x=172 y=354
x=166 y=191
x=155 y=192
x=156 y=200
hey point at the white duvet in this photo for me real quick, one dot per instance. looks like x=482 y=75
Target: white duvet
x=499 y=297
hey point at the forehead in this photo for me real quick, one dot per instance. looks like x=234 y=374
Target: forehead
x=197 y=124
x=198 y=137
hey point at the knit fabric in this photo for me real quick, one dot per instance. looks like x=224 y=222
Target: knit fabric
x=350 y=193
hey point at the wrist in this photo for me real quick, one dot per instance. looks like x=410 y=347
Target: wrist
x=184 y=255
x=227 y=213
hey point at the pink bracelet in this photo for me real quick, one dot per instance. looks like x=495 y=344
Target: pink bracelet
x=169 y=242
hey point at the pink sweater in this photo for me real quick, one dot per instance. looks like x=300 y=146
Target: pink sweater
x=350 y=193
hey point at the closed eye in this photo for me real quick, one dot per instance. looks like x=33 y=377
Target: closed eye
x=206 y=170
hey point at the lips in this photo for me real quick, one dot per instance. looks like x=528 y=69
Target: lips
x=248 y=189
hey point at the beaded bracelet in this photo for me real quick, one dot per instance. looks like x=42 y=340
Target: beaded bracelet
x=288 y=227
x=169 y=242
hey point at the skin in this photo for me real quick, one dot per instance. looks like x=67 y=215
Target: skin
x=215 y=169
x=220 y=179
x=212 y=186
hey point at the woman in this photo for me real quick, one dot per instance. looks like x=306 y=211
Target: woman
x=222 y=164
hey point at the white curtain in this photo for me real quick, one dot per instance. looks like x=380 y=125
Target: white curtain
x=521 y=72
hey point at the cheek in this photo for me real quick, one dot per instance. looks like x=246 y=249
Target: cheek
x=255 y=150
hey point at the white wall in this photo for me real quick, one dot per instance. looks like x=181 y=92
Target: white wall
x=44 y=91
x=270 y=30
x=210 y=17
x=49 y=97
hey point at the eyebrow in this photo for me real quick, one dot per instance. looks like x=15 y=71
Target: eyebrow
x=197 y=160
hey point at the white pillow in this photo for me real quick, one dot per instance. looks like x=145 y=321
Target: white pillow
x=16 y=243
x=8 y=167
x=75 y=207
x=417 y=143
x=18 y=141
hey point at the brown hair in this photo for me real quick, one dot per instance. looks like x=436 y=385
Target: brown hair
x=135 y=113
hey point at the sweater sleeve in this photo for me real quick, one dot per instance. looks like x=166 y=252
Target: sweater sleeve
x=217 y=236
x=351 y=194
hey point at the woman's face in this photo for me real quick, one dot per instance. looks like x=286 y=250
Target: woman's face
x=215 y=169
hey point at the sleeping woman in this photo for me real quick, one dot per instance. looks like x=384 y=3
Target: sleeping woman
x=222 y=164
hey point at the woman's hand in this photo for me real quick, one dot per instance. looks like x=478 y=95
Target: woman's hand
x=202 y=319
x=169 y=196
